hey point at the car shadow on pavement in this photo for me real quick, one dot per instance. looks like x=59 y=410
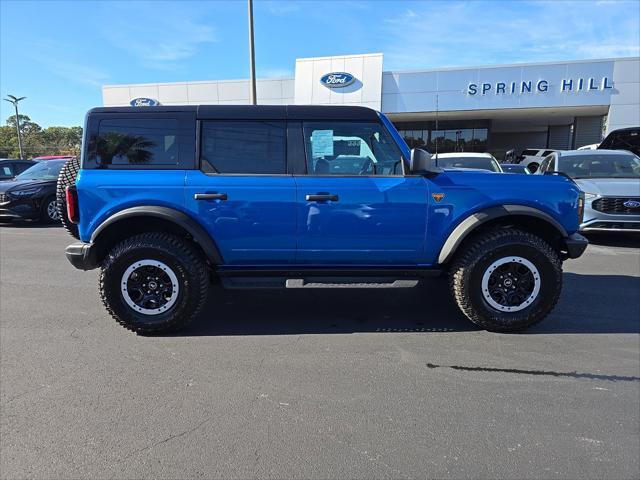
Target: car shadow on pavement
x=586 y=306
x=630 y=240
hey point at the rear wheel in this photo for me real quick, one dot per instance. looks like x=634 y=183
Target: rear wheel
x=67 y=177
x=154 y=283
x=506 y=280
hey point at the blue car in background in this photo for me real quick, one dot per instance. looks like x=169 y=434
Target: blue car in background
x=165 y=198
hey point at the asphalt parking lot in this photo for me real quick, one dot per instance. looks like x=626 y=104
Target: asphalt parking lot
x=316 y=384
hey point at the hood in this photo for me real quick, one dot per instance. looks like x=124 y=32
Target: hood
x=6 y=185
x=610 y=187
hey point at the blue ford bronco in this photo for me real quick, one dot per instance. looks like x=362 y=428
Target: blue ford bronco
x=166 y=199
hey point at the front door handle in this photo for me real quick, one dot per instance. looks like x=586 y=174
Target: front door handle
x=210 y=196
x=320 y=197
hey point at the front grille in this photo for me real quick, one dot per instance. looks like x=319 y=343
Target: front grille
x=615 y=205
x=634 y=226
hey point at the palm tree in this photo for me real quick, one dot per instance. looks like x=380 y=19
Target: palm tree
x=114 y=144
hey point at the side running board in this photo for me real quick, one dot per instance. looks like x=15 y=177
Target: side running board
x=317 y=282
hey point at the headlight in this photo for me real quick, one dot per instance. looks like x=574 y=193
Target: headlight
x=26 y=192
x=581 y=201
x=590 y=196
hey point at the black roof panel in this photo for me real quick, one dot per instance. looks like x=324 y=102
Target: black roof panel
x=256 y=112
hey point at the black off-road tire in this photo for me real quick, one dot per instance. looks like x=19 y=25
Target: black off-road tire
x=67 y=177
x=533 y=167
x=479 y=253
x=181 y=256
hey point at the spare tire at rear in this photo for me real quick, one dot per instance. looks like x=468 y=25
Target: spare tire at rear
x=66 y=178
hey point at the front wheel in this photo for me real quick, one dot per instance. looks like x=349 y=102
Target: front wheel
x=506 y=280
x=154 y=283
x=49 y=212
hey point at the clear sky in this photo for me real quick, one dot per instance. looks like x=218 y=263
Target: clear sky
x=59 y=54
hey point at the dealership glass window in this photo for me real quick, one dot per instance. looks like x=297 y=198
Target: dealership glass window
x=479 y=141
x=458 y=140
x=137 y=142
x=244 y=147
x=350 y=148
x=415 y=138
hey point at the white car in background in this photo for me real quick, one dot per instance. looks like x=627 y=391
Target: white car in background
x=533 y=157
x=610 y=180
x=468 y=160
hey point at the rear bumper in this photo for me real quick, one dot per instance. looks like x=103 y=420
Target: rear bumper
x=82 y=255
x=575 y=244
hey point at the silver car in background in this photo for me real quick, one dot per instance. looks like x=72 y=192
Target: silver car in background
x=468 y=161
x=611 y=182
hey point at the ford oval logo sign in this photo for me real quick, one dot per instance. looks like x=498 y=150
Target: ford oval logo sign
x=144 y=102
x=337 y=79
x=632 y=204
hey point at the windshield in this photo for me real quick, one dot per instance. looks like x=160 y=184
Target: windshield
x=45 y=170
x=602 y=166
x=625 y=140
x=478 y=163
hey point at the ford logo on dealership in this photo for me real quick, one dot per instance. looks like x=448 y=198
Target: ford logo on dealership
x=337 y=79
x=144 y=102
x=632 y=204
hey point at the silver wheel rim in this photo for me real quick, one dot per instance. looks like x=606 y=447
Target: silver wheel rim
x=52 y=210
x=149 y=282
x=499 y=287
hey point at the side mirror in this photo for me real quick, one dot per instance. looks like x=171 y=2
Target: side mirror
x=421 y=162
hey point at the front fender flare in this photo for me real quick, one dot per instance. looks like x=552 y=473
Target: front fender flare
x=177 y=217
x=473 y=221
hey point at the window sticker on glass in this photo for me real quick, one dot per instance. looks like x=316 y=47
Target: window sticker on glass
x=322 y=143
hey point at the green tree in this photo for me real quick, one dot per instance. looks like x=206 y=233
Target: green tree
x=38 y=141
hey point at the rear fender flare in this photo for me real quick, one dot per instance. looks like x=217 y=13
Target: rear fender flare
x=177 y=217
x=472 y=222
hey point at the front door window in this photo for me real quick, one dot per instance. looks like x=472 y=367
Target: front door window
x=350 y=148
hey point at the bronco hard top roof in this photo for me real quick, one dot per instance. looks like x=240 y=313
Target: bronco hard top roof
x=255 y=112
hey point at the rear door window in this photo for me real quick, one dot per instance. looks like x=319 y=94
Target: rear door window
x=140 y=141
x=244 y=147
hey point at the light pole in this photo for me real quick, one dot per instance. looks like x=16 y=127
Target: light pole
x=252 y=58
x=15 y=101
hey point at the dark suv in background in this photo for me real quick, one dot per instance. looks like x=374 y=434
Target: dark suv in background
x=32 y=194
x=10 y=167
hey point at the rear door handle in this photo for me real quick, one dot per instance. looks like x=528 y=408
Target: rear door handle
x=321 y=198
x=210 y=196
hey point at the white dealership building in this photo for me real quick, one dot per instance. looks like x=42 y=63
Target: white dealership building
x=556 y=105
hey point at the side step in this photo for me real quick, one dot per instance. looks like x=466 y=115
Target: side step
x=317 y=282
x=350 y=283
